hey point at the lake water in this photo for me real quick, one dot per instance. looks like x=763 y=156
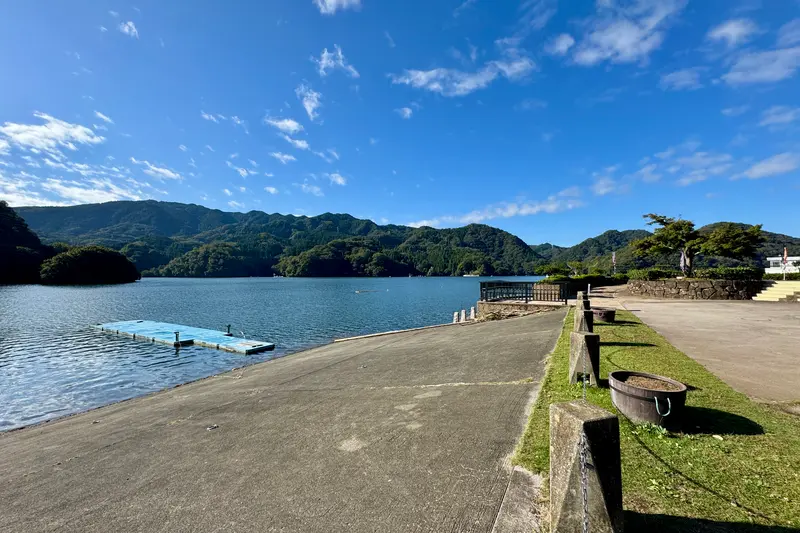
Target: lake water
x=53 y=363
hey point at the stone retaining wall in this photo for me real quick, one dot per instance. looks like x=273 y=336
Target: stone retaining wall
x=695 y=289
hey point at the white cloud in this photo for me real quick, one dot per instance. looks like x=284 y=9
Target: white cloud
x=92 y=191
x=764 y=67
x=4 y=147
x=560 y=45
x=604 y=185
x=269 y=174
x=286 y=125
x=625 y=34
x=373 y=141
x=324 y=156
x=239 y=122
x=103 y=29
x=209 y=148
x=253 y=164
x=242 y=189
x=310 y=189
x=553 y=204
x=243 y=172
x=404 y=112
x=271 y=190
x=680 y=80
x=773 y=166
x=453 y=82
x=789 y=34
x=103 y=117
x=333 y=153
x=234 y=155
x=113 y=14
x=283 y=158
x=227 y=192
x=310 y=99
x=779 y=115
x=208 y=116
x=129 y=29
x=733 y=32
x=182 y=147
x=699 y=166
x=337 y=179
x=236 y=205
x=735 y=111
x=157 y=172
x=48 y=137
x=329 y=7
x=333 y=60
x=648 y=173
x=192 y=163
x=389 y=39
x=297 y=143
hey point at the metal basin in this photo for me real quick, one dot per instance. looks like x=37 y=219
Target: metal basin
x=604 y=314
x=642 y=405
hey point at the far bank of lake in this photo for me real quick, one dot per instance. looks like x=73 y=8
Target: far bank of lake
x=52 y=363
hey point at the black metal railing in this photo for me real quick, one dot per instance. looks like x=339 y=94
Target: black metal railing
x=526 y=291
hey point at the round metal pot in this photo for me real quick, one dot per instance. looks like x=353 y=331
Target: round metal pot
x=641 y=405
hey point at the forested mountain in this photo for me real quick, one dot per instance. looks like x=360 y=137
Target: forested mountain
x=21 y=252
x=172 y=239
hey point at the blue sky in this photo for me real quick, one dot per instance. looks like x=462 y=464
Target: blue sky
x=552 y=120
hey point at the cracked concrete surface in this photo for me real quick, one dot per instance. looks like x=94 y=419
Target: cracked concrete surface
x=406 y=432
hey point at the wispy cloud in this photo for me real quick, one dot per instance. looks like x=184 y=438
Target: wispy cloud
x=235 y=205
x=297 y=143
x=103 y=117
x=243 y=172
x=733 y=32
x=764 y=67
x=156 y=171
x=773 y=166
x=404 y=112
x=463 y=6
x=735 y=111
x=789 y=34
x=209 y=148
x=329 y=7
x=563 y=201
x=310 y=189
x=92 y=191
x=182 y=147
x=560 y=45
x=286 y=125
x=779 y=115
x=227 y=192
x=208 y=116
x=687 y=79
x=453 y=82
x=334 y=60
x=129 y=29
x=50 y=136
x=337 y=179
x=271 y=190
x=389 y=39
x=310 y=98
x=625 y=34
x=283 y=158
x=700 y=166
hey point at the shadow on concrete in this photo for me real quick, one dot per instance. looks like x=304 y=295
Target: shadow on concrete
x=681 y=524
x=616 y=323
x=702 y=420
x=626 y=344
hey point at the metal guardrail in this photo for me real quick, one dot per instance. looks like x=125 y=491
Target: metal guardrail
x=527 y=291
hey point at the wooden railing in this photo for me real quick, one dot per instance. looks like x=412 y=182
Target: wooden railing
x=525 y=291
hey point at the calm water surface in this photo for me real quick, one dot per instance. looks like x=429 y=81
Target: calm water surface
x=52 y=363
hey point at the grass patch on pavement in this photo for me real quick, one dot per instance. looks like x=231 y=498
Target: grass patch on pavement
x=735 y=466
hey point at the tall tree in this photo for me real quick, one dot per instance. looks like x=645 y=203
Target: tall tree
x=731 y=240
x=672 y=235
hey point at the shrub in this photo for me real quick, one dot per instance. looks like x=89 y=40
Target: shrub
x=651 y=274
x=790 y=276
x=620 y=279
x=555 y=278
x=88 y=265
x=735 y=273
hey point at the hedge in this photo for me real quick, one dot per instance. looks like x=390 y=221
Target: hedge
x=735 y=273
x=652 y=274
x=790 y=276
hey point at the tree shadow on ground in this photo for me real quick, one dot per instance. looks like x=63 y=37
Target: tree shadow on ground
x=681 y=524
x=702 y=420
x=626 y=344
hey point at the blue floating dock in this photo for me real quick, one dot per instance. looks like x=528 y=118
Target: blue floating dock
x=164 y=333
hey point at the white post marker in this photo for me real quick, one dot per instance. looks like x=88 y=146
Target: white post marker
x=463 y=315
x=455 y=317
x=589 y=288
x=472 y=313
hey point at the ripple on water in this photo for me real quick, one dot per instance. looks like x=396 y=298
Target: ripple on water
x=53 y=363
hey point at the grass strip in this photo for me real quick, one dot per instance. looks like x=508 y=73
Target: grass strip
x=734 y=466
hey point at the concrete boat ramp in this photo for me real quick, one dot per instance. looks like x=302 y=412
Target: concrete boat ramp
x=409 y=432
x=178 y=335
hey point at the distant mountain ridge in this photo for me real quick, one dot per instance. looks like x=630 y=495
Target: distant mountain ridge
x=168 y=238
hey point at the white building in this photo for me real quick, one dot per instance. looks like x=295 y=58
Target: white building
x=776 y=265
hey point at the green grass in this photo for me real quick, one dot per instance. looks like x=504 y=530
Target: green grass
x=735 y=466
